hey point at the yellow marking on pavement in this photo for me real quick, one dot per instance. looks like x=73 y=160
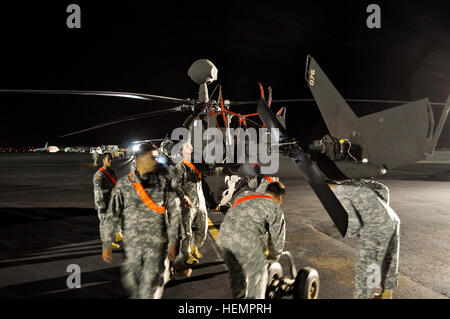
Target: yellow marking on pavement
x=213 y=230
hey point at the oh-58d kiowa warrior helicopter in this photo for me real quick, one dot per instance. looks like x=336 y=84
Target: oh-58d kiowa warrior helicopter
x=356 y=147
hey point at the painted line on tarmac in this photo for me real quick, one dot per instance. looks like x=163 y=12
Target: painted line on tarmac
x=214 y=234
x=213 y=230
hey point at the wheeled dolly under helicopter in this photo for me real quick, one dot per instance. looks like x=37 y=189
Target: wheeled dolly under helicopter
x=302 y=285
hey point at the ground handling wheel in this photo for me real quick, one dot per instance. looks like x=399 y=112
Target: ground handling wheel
x=274 y=287
x=306 y=285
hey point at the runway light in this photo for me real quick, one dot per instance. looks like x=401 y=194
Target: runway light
x=136 y=148
x=365 y=160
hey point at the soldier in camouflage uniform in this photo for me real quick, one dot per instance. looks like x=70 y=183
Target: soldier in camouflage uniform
x=104 y=181
x=262 y=187
x=196 y=216
x=372 y=220
x=148 y=200
x=251 y=216
x=95 y=157
x=177 y=266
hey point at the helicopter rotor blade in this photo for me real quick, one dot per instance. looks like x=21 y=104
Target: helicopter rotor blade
x=128 y=118
x=138 y=96
x=271 y=121
x=309 y=169
x=237 y=103
x=333 y=206
x=253 y=122
x=127 y=162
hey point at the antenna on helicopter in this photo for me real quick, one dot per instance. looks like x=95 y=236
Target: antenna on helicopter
x=203 y=72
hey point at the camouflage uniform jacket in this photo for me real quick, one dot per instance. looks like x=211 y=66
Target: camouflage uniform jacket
x=356 y=196
x=103 y=186
x=248 y=221
x=143 y=226
x=190 y=181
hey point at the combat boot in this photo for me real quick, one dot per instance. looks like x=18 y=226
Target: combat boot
x=195 y=253
x=387 y=294
x=187 y=272
x=171 y=273
x=190 y=260
x=119 y=237
x=114 y=245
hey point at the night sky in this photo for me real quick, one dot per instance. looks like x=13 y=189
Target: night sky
x=148 y=49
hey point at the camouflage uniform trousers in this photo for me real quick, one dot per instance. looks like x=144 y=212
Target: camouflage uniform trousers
x=376 y=261
x=195 y=225
x=377 y=226
x=145 y=270
x=247 y=270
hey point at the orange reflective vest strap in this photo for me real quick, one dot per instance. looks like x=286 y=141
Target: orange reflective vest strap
x=270 y=96
x=262 y=90
x=192 y=166
x=145 y=198
x=243 y=199
x=269 y=179
x=109 y=175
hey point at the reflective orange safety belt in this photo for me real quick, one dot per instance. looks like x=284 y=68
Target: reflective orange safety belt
x=193 y=168
x=269 y=179
x=109 y=175
x=145 y=198
x=243 y=199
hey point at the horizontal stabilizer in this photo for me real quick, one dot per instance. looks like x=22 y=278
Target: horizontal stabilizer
x=391 y=138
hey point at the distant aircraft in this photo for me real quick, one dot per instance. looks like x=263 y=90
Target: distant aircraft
x=46 y=148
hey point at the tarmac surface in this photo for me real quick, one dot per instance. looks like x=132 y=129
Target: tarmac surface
x=48 y=222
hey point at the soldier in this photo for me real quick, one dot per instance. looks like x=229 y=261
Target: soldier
x=151 y=208
x=95 y=157
x=104 y=181
x=196 y=215
x=265 y=181
x=177 y=266
x=372 y=220
x=251 y=216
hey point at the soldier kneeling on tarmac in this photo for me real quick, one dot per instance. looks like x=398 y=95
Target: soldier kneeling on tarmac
x=246 y=222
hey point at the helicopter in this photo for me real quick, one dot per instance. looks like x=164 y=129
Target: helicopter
x=354 y=148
